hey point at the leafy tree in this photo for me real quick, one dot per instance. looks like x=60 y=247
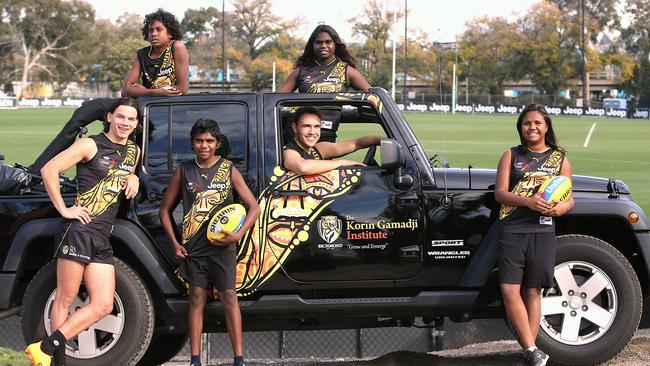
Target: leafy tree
x=200 y=23
x=374 y=27
x=490 y=48
x=637 y=40
x=42 y=30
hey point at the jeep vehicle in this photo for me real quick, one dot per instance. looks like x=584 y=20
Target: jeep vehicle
x=404 y=239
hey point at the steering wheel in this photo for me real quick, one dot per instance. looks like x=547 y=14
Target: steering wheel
x=369 y=159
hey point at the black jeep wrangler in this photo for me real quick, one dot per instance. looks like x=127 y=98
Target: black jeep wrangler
x=400 y=240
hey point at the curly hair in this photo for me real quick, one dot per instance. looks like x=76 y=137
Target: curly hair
x=341 y=50
x=549 y=137
x=167 y=19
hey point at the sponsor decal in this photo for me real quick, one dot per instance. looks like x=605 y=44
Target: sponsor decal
x=521 y=166
x=464 y=108
x=449 y=254
x=639 y=113
x=554 y=111
x=447 y=243
x=507 y=109
x=107 y=162
x=125 y=167
x=65 y=249
x=329 y=228
x=6 y=103
x=218 y=186
x=570 y=111
x=193 y=187
x=595 y=112
x=326 y=124
x=620 y=113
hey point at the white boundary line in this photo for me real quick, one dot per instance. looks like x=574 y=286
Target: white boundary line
x=589 y=135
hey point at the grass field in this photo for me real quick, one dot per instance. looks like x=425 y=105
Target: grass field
x=618 y=148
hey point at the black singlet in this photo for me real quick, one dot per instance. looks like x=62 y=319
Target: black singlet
x=100 y=181
x=528 y=170
x=159 y=72
x=204 y=192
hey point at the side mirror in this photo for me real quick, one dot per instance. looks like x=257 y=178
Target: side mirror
x=392 y=156
x=392 y=159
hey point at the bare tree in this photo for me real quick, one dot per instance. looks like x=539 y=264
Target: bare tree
x=41 y=32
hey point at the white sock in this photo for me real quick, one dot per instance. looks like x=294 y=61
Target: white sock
x=531 y=348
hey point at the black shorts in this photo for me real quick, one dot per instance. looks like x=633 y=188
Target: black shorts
x=84 y=243
x=218 y=269
x=527 y=259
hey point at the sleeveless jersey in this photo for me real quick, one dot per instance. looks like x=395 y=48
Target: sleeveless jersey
x=204 y=191
x=528 y=170
x=159 y=72
x=311 y=154
x=331 y=78
x=100 y=181
x=323 y=79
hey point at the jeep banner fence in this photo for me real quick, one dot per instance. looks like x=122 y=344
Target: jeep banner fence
x=643 y=113
x=638 y=113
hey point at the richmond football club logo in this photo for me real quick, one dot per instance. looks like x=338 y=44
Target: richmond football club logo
x=329 y=228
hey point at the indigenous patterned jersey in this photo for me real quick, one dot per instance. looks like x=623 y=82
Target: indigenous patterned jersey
x=528 y=170
x=101 y=180
x=205 y=191
x=330 y=78
x=311 y=154
x=157 y=72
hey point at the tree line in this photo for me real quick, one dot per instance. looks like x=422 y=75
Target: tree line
x=62 y=40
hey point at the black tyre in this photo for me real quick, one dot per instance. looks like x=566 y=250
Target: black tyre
x=593 y=310
x=119 y=338
x=163 y=347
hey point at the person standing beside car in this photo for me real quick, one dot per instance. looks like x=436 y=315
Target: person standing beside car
x=325 y=66
x=527 y=241
x=106 y=174
x=206 y=184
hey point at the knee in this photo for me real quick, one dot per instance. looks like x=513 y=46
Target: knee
x=197 y=299
x=228 y=298
x=103 y=308
x=64 y=298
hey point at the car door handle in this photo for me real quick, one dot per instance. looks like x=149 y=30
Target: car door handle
x=280 y=193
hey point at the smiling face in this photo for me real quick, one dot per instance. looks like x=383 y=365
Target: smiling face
x=122 y=122
x=158 y=34
x=324 y=46
x=533 y=128
x=307 y=130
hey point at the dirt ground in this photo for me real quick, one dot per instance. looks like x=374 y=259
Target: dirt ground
x=637 y=353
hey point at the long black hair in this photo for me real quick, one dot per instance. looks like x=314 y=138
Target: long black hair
x=341 y=50
x=549 y=137
x=129 y=102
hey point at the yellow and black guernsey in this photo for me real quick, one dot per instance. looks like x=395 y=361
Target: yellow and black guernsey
x=101 y=180
x=204 y=191
x=158 y=72
x=528 y=170
x=317 y=78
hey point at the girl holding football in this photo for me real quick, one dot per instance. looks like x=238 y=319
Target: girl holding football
x=527 y=241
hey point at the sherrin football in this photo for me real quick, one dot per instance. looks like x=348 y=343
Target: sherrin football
x=229 y=218
x=556 y=189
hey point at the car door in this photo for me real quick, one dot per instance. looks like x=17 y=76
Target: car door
x=350 y=225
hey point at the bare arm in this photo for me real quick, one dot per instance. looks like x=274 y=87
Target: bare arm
x=131 y=87
x=291 y=83
x=295 y=163
x=132 y=185
x=331 y=150
x=169 y=202
x=182 y=61
x=82 y=150
x=357 y=81
x=501 y=193
x=253 y=209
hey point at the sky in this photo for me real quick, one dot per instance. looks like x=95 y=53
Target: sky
x=441 y=20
